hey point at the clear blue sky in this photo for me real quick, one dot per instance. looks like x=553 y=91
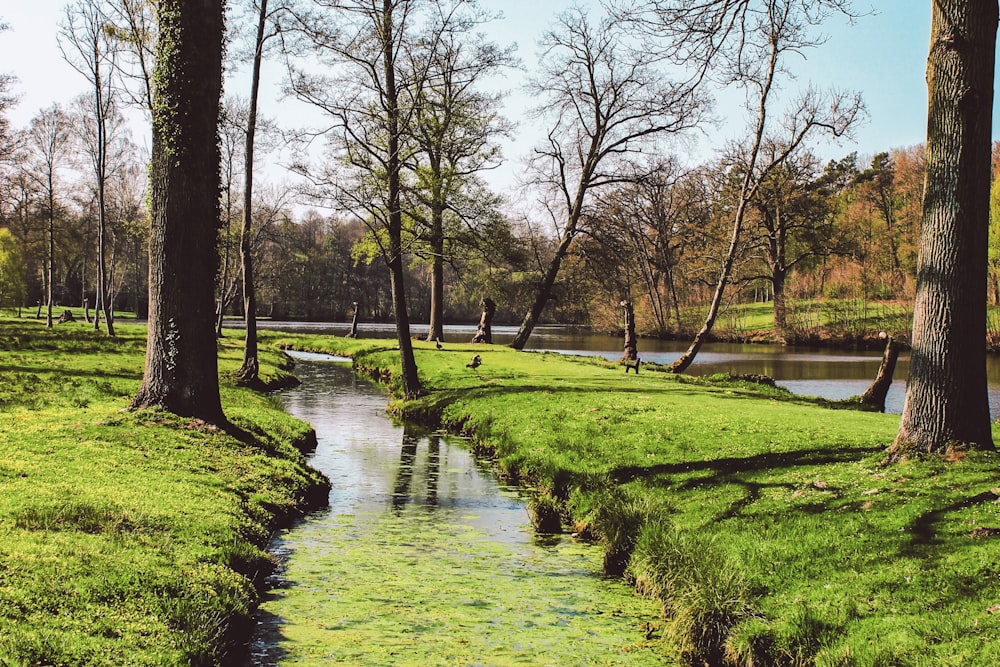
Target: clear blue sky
x=882 y=55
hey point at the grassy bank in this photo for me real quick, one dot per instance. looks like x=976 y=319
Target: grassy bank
x=131 y=538
x=765 y=524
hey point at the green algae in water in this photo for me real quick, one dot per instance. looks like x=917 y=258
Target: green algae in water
x=423 y=560
x=452 y=596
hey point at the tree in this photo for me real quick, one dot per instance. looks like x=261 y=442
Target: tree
x=640 y=231
x=7 y=100
x=85 y=45
x=250 y=368
x=947 y=404
x=744 y=44
x=49 y=142
x=131 y=25
x=375 y=77
x=607 y=103
x=181 y=371
x=794 y=225
x=455 y=125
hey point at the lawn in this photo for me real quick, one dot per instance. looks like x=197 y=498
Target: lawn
x=132 y=537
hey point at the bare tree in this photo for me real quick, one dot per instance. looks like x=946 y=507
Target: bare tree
x=745 y=44
x=85 y=45
x=181 y=371
x=131 y=25
x=267 y=28
x=7 y=100
x=49 y=142
x=947 y=403
x=607 y=103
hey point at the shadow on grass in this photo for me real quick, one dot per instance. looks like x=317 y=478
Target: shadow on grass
x=734 y=471
x=923 y=532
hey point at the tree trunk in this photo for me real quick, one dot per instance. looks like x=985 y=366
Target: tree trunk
x=779 y=305
x=181 y=372
x=353 y=333
x=411 y=381
x=947 y=402
x=544 y=291
x=435 y=331
x=51 y=268
x=631 y=350
x=484 y=334
x=876 y=392
x=250 y=369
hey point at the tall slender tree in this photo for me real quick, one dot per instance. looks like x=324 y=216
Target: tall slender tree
x=375 y=76
x=49 y=143
x=267 y=28
x=181 y=371
x=87 y=47
x=456 y=125
x=947 y=402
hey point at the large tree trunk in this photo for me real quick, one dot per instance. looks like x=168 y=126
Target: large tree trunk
x=181 y=372
x=947 y=403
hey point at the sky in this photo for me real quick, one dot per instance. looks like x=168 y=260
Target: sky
x=882 y=55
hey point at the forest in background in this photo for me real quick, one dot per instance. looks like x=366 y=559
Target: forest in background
x=844 y=230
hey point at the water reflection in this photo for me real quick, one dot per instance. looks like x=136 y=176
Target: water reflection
x=355 y=585
x=427 y=471
x=832 y=374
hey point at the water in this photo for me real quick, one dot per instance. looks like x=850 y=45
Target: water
x=423 y=558
x=827 y=373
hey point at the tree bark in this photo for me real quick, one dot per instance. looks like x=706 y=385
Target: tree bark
x=947 y=404
x=484 y=334
x=879 y=388
x=181 y=372
x=408 y=364
x=631 y=350
x=250 y=369
x=435 y=330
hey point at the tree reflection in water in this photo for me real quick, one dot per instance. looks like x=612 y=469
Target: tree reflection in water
x=402 y=493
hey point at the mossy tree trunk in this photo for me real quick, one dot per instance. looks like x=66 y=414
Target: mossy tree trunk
x=947 y=403
x=181 y=372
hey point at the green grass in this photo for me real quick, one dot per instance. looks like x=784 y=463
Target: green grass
x=764 y=523
x=130 y=538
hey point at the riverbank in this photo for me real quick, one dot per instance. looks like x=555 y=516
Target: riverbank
x=133 y=537
x=764 y=523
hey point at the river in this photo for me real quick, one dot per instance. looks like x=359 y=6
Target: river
x=424 y=558
x=832 y=374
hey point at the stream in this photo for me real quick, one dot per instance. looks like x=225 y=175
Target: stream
x=424 y=558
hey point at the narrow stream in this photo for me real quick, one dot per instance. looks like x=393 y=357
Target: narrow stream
x=423 y=558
